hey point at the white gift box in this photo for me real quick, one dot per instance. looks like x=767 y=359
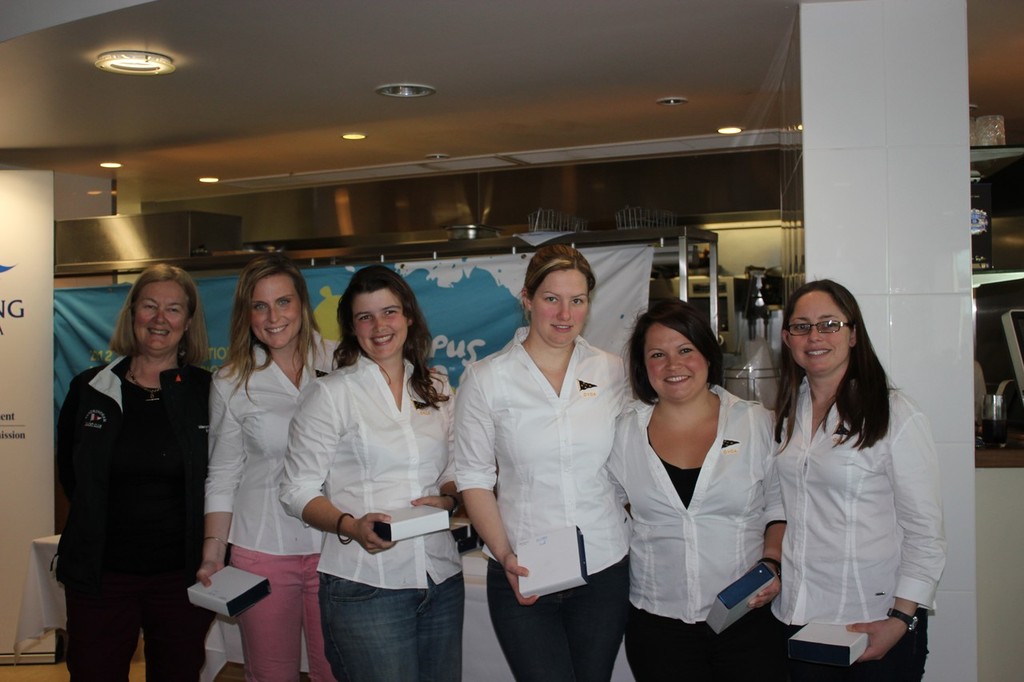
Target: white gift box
x=556 y=561
x=410 y=522
x=231 y=591
x=827 y=643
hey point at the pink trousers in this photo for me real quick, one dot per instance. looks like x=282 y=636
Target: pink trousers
x=271 y=630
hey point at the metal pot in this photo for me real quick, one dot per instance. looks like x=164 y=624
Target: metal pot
x=472 y=231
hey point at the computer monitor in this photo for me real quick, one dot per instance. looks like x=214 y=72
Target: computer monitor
x=1013 y=326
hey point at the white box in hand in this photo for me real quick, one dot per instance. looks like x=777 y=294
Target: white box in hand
x=231 y=591
x=556 y=561
x=409 y=522
x=731 y=604
x=827 y=643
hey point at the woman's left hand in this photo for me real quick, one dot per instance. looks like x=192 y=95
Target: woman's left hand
x=439 y=501
x=766 y=595
x=882 y=636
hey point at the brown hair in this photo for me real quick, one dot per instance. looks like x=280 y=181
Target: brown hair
x=552 y=258
x=862 y=398
x=417 y=342
x=241 y=358
x=193 y=349
x=684 y=318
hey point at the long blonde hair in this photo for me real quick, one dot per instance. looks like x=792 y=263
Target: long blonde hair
x=241 y=356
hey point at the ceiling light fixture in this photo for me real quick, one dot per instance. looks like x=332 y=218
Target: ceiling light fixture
x=405 y=90
x=135 y=63
x=209 y=180
x=438 y=156
x=354 y=136
x=110 y=164
x=672 y=101
x=730 y=130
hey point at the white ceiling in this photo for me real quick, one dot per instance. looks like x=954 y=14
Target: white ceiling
x=266 y=87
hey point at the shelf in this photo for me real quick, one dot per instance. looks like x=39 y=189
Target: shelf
x=991 y=160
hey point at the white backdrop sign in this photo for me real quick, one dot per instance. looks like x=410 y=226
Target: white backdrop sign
x=26 y=359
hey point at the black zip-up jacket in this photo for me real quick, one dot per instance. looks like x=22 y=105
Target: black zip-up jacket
x=87 y=428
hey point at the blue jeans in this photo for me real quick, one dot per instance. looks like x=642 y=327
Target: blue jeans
x=903 y=663
x=568 y=636
x=377 y=635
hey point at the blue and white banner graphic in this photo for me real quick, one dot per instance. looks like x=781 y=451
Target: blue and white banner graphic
x=26 y=427
x=471 y=304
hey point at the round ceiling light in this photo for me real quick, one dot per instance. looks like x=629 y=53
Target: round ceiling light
x=353 y=136
x=730 y=130
x=209 y=180
x=135 y=63
x=672 y=101
x=110 y=164
x=405 y=90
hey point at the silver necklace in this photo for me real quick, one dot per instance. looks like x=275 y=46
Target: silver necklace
x=154 y=393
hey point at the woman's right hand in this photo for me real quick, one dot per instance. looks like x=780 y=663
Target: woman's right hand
x=207 y=569
x=365 y=536
x=513 y=571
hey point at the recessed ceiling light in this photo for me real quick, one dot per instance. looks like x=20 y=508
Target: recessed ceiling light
x=135 y=63
x=405 y=90
x=110 y=164
x=354 y=136
x=672 y=101
x=94 y=192
x=209 y=180
x=730 y=130
x=438 y=156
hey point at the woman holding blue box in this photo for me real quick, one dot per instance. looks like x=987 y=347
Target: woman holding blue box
x=695 y=464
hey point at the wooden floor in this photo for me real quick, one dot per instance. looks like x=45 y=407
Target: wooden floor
x=58 y=672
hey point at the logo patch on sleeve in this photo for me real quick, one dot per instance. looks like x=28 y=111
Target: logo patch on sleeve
x=94 y=419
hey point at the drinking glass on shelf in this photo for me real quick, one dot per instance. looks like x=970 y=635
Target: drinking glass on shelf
x=993 y=421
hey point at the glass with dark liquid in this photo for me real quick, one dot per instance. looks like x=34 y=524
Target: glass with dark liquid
x=993 y=421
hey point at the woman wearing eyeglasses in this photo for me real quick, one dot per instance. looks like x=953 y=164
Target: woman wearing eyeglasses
x=859 y=475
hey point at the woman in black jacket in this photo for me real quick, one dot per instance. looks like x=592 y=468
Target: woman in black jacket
x=131 y=457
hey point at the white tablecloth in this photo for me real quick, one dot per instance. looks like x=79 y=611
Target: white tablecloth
x=43 y=610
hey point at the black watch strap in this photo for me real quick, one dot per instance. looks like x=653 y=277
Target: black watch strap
x=911 y=621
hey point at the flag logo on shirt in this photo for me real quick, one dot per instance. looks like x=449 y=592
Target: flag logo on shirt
x=729 y=446
x=420 y=406
x=584 y=385
x=587 y=390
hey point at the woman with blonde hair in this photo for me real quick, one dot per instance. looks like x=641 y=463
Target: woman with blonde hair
x=274 y=352
x=535 y=423
x=132 y=458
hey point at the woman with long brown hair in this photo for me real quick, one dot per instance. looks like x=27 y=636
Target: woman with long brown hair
x=859 y=475
x=373 y=437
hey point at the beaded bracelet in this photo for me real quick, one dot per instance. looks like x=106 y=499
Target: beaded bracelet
x=337 y=529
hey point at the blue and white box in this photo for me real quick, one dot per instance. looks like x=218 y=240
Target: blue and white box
x=827 y=643
x=732 y=603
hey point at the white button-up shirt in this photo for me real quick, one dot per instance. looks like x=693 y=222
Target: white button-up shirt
x=545 y=451
x=350 y=442
x=681 y=557
x=865 y=526
x=248 y=441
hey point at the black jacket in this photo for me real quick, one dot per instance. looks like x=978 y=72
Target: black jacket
x=88 y=426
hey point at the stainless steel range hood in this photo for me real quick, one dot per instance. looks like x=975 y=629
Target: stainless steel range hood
x=130 y=242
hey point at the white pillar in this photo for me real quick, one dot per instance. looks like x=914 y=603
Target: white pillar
x=886 y=199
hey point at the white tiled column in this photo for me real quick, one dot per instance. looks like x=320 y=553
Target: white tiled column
x=886 y=212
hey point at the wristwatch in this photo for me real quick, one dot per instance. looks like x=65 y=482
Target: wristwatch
x=911 y=621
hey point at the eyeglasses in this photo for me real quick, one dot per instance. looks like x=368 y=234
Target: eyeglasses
x=823 y=327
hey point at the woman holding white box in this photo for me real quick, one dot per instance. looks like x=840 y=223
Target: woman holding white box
x=695 y=464
x=535 y=421
x=274 y=352
x=371 y=437
x=860 y=484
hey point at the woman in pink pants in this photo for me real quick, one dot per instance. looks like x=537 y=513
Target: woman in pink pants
x=275 y=351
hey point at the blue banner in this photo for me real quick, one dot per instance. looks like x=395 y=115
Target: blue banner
x=472 y=308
